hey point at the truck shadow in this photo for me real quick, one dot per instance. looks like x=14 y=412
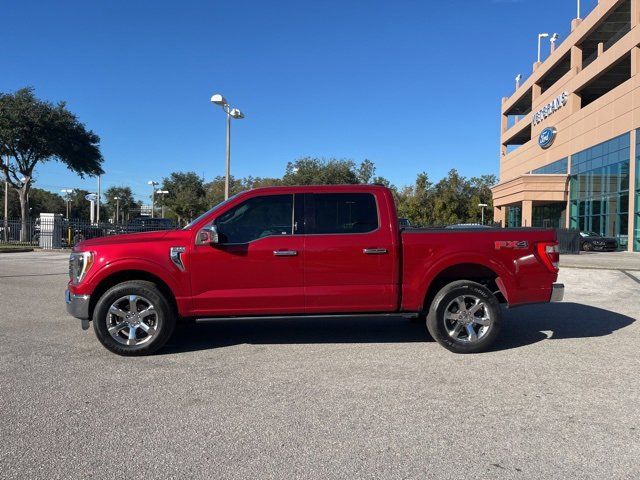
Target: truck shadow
x=557 y=321
x=522 y=326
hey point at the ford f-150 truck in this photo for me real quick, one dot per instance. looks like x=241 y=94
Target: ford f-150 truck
x=312 y=250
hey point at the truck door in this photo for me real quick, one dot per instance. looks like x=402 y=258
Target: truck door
x=349 y=258
x=257 y=268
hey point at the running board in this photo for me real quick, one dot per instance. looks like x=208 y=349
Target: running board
x=302 y=316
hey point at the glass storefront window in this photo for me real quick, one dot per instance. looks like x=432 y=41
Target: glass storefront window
x=636 y=219
x=514 y=216
x=600 y=189
x=550 y=215
x=559 y=166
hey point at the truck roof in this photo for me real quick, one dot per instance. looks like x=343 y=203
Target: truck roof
x=321 y=188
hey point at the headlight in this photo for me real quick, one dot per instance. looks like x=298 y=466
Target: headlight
x=79 y=265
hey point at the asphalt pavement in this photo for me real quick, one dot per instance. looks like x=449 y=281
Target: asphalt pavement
x=340 y=398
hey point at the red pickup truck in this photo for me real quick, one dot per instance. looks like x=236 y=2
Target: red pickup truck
x=313 y=250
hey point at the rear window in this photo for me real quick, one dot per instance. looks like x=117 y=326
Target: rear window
x=345 y=213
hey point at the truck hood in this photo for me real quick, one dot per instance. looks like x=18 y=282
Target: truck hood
x=123 y=238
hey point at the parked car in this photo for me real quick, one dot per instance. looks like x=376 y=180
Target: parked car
x=404 y=223
x=313 y=250
x=594 y=241
x=467 y=225
x=145 y=224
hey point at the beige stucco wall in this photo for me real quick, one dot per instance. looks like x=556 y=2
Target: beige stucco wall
x=613 y=114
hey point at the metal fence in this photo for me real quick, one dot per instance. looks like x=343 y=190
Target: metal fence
x=53 y=231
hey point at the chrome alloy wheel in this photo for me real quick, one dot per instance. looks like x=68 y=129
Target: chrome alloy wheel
x=132 y=320
x=467 y=319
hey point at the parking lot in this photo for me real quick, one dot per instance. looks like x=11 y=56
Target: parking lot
x=322 y=398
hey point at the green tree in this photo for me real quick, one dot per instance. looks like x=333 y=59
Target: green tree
x=120 y=201
x=416 y=202
x=451 y=199
x=79 y=206
x=44 y=201
x=481 y=193
x=34 y=131
x=187 y=195
x=366 y=171
x=315 y=171
x=13 y=210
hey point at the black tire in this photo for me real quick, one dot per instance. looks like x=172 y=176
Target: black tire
x=438 y=324
x=587 y=247
x=162 y=323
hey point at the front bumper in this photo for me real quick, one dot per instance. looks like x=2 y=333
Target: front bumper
x=557 y=292
x=77 y=305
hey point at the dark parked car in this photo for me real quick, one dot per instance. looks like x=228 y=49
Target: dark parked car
x=145 y=224
x=404 y=223
x=594 y=241
x=467 y=225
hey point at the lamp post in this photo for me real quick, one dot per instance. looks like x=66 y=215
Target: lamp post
x=117 y=199
x=578 y=17
x=153 y=196
x=67 y=196
x=219 y=100
x=163 y=193
x=5 y=230
x=482 y=205
x=540 y=37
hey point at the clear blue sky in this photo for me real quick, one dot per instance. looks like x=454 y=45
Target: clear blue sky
x=383 y=80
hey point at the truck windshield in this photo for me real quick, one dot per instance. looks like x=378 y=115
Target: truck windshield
x=207 y=213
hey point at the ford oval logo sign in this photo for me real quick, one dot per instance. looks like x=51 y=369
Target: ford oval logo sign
x=547 y=136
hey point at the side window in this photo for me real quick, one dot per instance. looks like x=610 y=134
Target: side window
x=345 y=213
x=256 y=218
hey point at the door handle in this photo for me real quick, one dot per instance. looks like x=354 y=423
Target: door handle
x=374 y=251
x=285 y=253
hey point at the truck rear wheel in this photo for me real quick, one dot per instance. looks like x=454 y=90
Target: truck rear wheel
x=464 y=317
x=133 y=318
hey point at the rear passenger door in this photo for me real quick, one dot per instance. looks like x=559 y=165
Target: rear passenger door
x=349 y=256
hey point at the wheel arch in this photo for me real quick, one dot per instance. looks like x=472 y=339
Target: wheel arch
x=121 y=276
x=472 y=271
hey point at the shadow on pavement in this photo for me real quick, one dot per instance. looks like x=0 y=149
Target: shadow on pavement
x=525 y=325
x=522 y=326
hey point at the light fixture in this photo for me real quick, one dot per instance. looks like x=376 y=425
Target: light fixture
x=218 y=99
x=540 y=37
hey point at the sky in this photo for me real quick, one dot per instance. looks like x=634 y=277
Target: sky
x=411 y=85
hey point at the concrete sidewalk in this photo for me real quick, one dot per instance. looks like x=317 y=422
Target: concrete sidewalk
x=602 y=260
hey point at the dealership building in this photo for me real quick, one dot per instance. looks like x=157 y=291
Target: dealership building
x=570 y=133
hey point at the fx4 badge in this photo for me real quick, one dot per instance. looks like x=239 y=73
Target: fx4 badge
x=515 y=244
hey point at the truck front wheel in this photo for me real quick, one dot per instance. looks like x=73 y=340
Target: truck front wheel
x=464 y=317
x=133 y=318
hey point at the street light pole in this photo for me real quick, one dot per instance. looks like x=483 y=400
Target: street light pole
x=231 y=113
x=578 y=17
x=228 y=158
x=67 y=195
x=98 y=200
x=482 y=205
x=153 y=196
x=540 y=37
x=6 y=206
x=117 y=199
x=163 y=193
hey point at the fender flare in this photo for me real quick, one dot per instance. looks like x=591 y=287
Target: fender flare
x=505 y=280
x=178 y=290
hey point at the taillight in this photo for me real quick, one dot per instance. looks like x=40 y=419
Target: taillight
x=549 y=253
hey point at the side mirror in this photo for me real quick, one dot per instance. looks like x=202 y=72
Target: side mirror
x=208 y=236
